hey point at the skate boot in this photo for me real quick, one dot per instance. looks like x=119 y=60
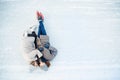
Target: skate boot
x=40 y=16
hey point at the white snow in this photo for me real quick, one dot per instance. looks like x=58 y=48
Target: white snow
x=85 y=32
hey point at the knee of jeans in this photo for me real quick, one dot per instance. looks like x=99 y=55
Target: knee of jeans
x=43 y=59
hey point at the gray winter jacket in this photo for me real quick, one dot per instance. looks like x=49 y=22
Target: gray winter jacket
x=50 y=53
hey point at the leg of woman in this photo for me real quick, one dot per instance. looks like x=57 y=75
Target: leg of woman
x=41 y=29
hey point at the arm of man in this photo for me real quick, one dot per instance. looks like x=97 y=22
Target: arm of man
x=32 y=55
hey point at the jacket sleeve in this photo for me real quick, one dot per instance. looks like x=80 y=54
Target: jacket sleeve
x=53 y=50
x=44 y=39
x=49 y=54
x=32 y=55
x=39 y=43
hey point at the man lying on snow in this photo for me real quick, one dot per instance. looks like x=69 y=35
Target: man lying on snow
x=37 y=49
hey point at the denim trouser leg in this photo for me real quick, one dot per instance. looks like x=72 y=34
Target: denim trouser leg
x=43 y=59
x=41 y=29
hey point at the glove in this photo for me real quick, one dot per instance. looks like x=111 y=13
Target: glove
x=34 y=34
x=47 y=45
x=41 y=49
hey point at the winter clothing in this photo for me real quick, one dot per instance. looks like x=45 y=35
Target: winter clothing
x=43 y=59
x=44 y=39
x=41 y=49
x=29 y=47
x=41 y=29
x=35 y=36
x=47 y=45
x=48 y=53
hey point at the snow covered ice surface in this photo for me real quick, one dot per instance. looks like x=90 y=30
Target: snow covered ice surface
x=85 y=32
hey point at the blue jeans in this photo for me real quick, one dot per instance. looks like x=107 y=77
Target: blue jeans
x=41 y=29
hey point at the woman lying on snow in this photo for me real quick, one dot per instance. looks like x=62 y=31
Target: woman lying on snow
x=37 y=50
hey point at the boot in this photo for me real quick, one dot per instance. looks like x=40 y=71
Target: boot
x=40 y=16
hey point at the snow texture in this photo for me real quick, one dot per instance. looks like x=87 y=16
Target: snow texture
x=85 y=32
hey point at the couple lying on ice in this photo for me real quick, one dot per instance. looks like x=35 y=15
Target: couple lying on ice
x=38 y=51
